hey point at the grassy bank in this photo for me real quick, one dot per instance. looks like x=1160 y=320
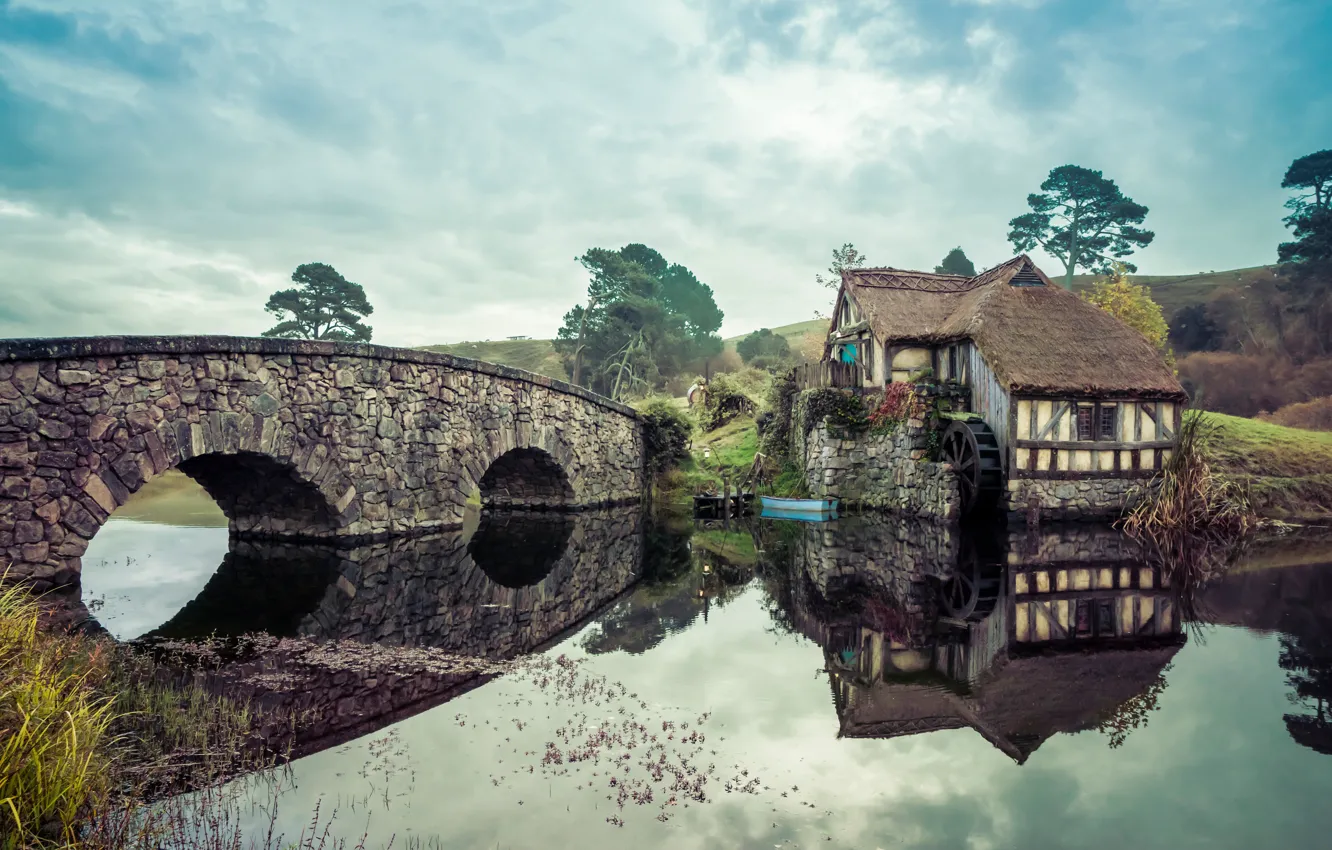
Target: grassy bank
x=90 y=731
x=1288 y=471
x=55 y=743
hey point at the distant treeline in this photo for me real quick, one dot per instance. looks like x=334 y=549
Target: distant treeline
x=1264 y=346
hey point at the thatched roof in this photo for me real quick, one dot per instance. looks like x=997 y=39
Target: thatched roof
x=1037 y=338
x=1017 y=706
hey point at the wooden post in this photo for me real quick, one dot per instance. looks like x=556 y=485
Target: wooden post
x=726 y=500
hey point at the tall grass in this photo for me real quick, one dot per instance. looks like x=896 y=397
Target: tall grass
x=54 y=722
x=1189 y=498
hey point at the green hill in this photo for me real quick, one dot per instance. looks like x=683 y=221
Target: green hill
x=1175 y=291
x=793 y=333
x=534 y=355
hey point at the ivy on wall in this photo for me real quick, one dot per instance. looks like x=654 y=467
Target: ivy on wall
x=844 y=412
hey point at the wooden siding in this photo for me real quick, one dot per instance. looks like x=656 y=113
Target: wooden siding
x=1046 y=438
x=988 y=397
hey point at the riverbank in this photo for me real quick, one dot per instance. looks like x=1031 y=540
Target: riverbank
x=1287 y=471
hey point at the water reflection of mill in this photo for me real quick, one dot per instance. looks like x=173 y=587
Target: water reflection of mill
x=1017 y=637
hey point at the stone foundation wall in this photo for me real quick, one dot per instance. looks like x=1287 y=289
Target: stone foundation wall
x=883 y=471
x=1097 y=499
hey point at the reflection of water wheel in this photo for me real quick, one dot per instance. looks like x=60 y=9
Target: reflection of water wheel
x=973 y=590
x=973 y=450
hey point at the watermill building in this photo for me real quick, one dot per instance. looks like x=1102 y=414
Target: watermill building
x=1071 y=408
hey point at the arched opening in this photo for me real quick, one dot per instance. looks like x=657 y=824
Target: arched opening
x=262 y=497
x=260 y=587
x=158 y=551
x=519 y=549
x=526 y=479
x=153 y=555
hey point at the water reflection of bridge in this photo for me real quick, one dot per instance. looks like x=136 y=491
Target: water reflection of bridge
x=1018 y=637
x=421 y=606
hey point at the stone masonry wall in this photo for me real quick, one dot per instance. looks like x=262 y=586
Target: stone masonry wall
x=883 y=471
x=1086 y=499
x=294 y=439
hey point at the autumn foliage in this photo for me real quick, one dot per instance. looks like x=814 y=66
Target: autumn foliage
x=1132 y=304
x=1313 y=415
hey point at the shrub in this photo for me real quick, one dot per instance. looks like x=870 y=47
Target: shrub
x=776 y=439
x=771 y=362
x=899 y=403
x=1313 y=415
x=666 y=435
x=1248 y=384
x=844 y=412
x=725 y=402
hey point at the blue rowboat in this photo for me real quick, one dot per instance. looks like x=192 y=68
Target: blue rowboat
x=809 y=510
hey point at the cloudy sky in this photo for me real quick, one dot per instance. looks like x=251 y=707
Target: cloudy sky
x=165 y=164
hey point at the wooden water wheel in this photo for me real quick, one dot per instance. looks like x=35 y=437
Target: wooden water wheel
x=971 y=447
x=972 y=592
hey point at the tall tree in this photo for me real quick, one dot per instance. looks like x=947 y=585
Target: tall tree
x=1305 y=277
x=956 y=263
x=845 y=257
x=1311 y=209
x=322 y=305
x=1083 y=220
x=644 y=319
x=763 y=346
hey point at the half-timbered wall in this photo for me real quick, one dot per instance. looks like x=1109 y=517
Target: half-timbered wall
x=850 y=327
x=1089 y=438
x=1106 y=601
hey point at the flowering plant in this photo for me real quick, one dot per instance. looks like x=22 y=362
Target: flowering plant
x=899 y=403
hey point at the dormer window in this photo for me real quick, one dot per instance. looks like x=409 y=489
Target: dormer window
x=1026 y=276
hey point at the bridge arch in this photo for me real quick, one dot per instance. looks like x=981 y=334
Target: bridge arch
x=526 y=479
x=265 y=488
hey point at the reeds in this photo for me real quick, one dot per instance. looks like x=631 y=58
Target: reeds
x=53 y=726
x=1189 y=499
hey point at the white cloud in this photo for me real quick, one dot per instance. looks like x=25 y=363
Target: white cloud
x=455 y=160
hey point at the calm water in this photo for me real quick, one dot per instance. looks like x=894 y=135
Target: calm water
x=865 y=683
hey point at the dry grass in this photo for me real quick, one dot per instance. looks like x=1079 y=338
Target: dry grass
x=1191 y=499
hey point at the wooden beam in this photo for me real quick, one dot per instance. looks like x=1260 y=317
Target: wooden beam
x=1091 y=445
x=1086 y=475
x=1059 y=410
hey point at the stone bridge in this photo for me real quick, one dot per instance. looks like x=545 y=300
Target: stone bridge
x=294 y=439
